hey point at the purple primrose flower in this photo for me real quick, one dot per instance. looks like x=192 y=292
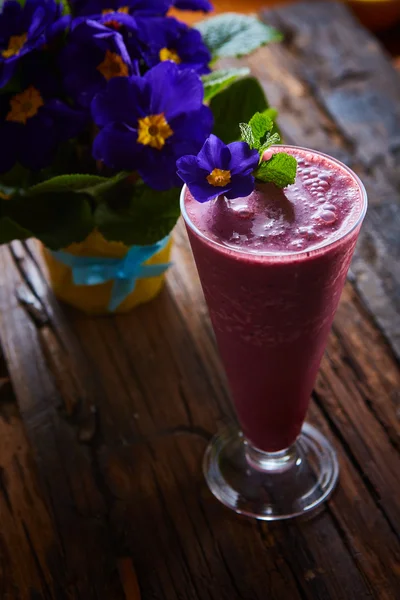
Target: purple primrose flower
x=33 y=124
x=219 y=169
x=165 y=38
x=24 y=29
x=147 y=123
x=95 y=53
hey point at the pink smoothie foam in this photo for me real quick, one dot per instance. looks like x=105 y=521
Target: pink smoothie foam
x=272 y=268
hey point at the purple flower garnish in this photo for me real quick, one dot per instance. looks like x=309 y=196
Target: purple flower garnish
x=147 y=123
x=219 y=169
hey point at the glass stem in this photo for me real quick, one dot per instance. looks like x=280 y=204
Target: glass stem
x=271 y=462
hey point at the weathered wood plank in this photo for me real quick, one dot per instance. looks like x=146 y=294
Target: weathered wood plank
x=337 y=91
x=22 y=546
x=82 y=563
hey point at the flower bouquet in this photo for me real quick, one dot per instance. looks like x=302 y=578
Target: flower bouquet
x=98 y=100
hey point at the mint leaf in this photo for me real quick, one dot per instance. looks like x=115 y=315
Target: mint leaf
x=261 y=125
x=258 y=131
x=272 y=113
x=280 y=170
x=233 y=34
x=138 y=215
x=217 y=81
x=247 y=134
x=275 y=138
x=236 y=104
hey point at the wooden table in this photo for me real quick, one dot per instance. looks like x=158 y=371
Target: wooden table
x=103 y=422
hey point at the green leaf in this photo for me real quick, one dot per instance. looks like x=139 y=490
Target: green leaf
x=247 y=134
x=66 y=8
x=280 y=170
x=16 y=178
x=272 y=113
x=236 y=104
x=217 y=81
x=261 y=125
x=9 y=231
x=233 y=34
x=99 y=188
x=65 y=183
x=138 y=215
x=257 y=132
x=56 y=219
x=271 y=139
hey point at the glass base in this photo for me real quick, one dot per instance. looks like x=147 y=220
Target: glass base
x=271 y=485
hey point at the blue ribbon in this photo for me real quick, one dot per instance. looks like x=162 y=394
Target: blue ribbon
x=93 y=270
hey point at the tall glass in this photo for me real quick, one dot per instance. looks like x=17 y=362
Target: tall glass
x=271 y=314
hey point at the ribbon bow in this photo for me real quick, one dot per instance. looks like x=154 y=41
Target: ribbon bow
x=92 y=270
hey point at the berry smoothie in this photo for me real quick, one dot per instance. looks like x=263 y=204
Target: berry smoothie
x=272 y=268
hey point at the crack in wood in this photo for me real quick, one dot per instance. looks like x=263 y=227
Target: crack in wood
x=225 y=406
x=47 y=592
x=355 y=463
x=346 y=542
x=32 y=306
x=348 y=359
x=4 y=490
x=172 y=528
x=302 y=593
x=230 y=574
x=185 y=403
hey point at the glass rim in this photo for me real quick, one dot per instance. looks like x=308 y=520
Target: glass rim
x=287 y=255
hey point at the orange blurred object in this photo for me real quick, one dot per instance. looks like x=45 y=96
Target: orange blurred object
x=220 y=6
x=377 y=15
x=374 y=14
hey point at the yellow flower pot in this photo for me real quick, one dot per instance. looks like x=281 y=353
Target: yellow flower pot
x=95 y=299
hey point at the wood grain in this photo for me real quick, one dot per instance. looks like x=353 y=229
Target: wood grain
x=103 y=422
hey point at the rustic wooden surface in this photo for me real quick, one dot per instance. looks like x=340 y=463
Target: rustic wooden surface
x=103 y=422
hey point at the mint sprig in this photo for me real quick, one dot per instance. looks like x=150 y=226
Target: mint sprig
x=259 y=134
x=280 y=169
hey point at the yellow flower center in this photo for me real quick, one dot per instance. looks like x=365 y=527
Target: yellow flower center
x=122 y=9
x=153 y=131
x=25 y=105
x=169 y=54
x=15 y=45
x=219 y=177
x=113 y=66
